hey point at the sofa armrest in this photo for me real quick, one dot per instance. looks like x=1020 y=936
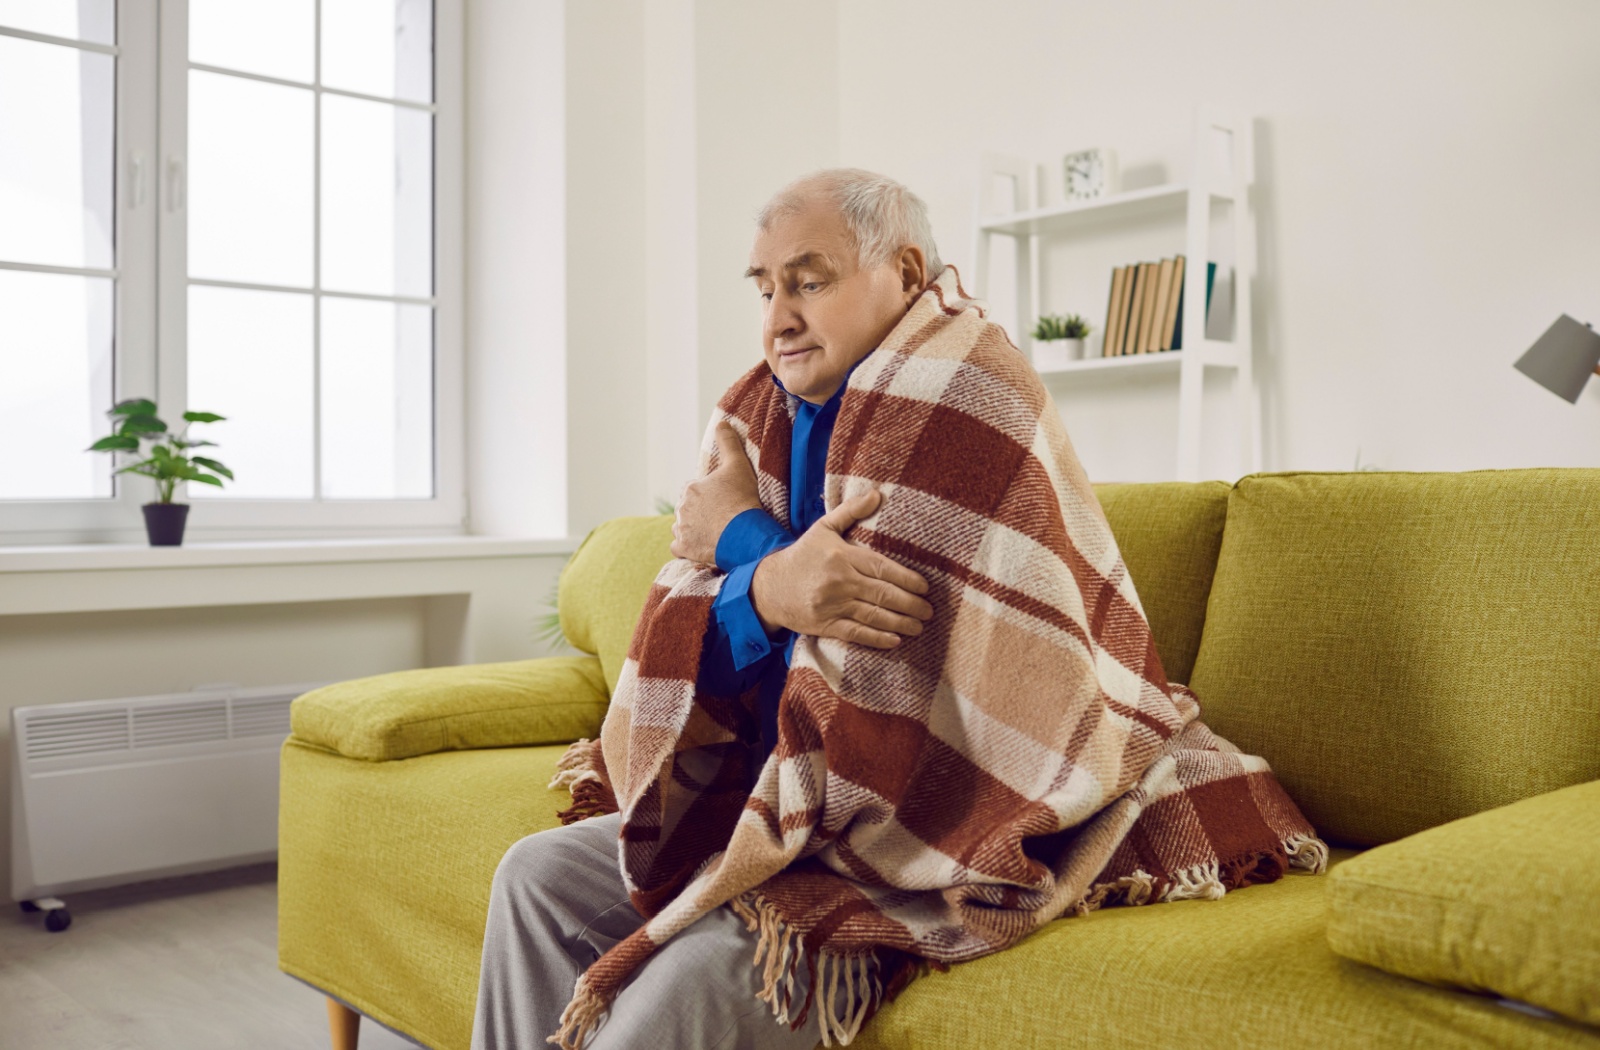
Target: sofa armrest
x=553 y=700
x=1502 y=901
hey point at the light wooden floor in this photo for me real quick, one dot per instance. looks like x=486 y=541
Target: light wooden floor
x=170 y=965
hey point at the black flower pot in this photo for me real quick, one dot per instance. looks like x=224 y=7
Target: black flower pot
x=163 y=523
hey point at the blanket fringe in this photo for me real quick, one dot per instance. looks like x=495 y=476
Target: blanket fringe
x=1307 y=853
x=576 y=771
x=847 y=989
x=576 y=756
x=1201 y=882
x=1207 y=881
x=1133 y=889
x=582 y=1016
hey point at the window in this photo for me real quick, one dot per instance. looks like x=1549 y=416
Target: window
x=284 y=253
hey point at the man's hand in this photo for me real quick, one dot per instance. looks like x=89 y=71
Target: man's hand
x=709 y=503
x=823 y=586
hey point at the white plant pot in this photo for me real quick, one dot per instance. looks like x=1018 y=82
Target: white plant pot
x=1052 y=354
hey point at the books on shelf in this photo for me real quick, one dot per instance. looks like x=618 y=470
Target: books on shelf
x=1145 y=312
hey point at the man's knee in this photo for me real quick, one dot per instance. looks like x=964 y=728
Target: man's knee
x=525 y=859
x=550 y=864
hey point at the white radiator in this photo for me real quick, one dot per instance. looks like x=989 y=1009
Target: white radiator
x=111 y=791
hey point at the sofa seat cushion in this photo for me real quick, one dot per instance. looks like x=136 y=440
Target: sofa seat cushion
x=551 y=700
x=1408 y=648
x=384 y=872
x=1503 y=901
x=1251 y=969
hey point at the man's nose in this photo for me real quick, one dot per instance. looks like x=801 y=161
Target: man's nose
x=783 y=317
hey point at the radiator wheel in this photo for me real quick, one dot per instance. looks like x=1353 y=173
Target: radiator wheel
x=57 y=919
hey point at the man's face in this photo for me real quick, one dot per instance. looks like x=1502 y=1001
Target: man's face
x=821 y=311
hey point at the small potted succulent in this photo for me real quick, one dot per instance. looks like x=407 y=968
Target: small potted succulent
x=168 y=463
x=1058 y=339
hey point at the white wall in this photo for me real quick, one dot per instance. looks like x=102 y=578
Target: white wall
x=768 y=110
x=516 y=286
x=1427 y=203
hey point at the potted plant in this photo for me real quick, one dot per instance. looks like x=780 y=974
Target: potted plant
x=1069 y=331
x=169 y=462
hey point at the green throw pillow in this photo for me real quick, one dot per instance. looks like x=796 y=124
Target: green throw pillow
x=1507 y=901
x=520 y=703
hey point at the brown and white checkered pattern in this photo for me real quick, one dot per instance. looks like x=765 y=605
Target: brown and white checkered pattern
x=1023 y=758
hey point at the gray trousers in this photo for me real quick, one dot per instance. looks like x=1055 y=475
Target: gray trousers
x=558 y=902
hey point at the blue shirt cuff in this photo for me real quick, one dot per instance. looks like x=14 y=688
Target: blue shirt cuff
x=747 y=639
x=750 y=536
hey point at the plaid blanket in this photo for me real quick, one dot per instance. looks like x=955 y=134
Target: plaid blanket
x=1022 y=759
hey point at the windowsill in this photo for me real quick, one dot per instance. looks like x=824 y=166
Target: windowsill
x=91 y=557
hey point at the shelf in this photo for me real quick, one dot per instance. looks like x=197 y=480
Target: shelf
x=1153 y=200
x=1213 y=354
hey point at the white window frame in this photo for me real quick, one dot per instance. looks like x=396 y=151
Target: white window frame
x=151 y=273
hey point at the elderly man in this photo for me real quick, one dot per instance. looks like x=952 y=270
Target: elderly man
x=837 y=757
x=838 y=259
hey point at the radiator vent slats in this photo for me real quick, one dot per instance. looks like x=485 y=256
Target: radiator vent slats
x=139 y=724
x=80 y=733
x=189 y=723
x=262 y=716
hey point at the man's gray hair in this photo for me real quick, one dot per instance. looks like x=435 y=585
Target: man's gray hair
x=880 y=213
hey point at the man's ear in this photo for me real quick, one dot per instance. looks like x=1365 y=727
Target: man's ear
x=913 y=267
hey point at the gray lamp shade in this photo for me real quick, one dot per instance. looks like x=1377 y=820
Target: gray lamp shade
x=1563 y=359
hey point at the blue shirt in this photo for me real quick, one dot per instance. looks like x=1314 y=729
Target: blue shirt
x=738 y=652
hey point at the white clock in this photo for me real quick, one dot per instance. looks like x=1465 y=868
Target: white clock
x=1090 y=173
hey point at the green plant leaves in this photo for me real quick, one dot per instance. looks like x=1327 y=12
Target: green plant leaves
x=133 y=406
x=213 y=464
x=167 y=463
x=142 y=424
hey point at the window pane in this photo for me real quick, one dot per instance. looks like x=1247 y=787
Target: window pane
x=250 y=188
x=377 y=197
x=91 y=20
x=275 y=39
x=57 y=133
x=250 y=360
x=379 y=47
x=377 y=400
x=55 y=385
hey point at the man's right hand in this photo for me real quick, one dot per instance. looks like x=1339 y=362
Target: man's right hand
x=823 y=586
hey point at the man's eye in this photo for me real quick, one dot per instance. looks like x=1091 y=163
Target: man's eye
x=811 y=286
x=766 y=297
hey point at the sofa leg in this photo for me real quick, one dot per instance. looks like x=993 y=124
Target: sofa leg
x=344 y=1025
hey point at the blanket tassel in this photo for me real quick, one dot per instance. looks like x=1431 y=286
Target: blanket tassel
x=582 y=1016
x=846 y=989
x=576 y=771
x=1307 y=853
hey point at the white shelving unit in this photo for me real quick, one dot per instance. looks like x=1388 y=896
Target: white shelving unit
x=1222 y=168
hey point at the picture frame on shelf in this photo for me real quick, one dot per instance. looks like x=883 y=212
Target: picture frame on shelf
x=1006 y=184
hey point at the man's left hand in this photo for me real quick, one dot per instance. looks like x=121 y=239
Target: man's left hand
x=710 y=502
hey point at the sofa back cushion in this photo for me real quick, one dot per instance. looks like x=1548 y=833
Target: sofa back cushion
x=605 y=583
x=1408 y=648
x=1168 y=533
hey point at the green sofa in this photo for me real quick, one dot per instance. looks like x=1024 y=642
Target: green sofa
x=1417 y=655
